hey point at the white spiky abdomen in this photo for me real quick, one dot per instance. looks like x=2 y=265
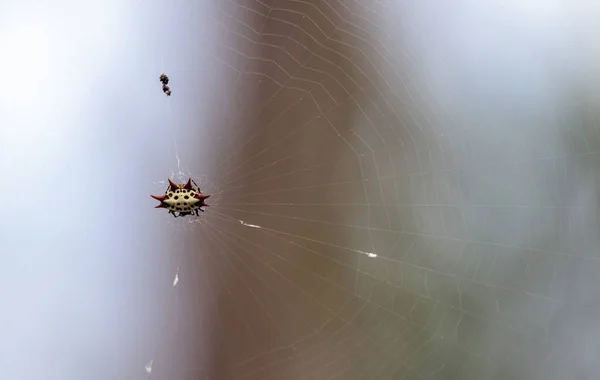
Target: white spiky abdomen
x=182 y=200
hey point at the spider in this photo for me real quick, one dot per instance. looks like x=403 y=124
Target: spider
x=182 y=199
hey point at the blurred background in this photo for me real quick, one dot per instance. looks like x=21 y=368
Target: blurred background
x=400 y=190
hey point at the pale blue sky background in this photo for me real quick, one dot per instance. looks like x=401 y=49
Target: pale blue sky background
x=84 y=132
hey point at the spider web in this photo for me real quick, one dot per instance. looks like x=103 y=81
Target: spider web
x=359 y=226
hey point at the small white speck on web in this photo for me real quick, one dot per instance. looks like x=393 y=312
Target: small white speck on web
x=368 y=254
x=176 y=279
x=149 y=366
x=248 y=225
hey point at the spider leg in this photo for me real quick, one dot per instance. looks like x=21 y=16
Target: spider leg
x=197 y=187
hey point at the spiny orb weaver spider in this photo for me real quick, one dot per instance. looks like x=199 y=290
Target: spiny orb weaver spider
x=184 y=199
